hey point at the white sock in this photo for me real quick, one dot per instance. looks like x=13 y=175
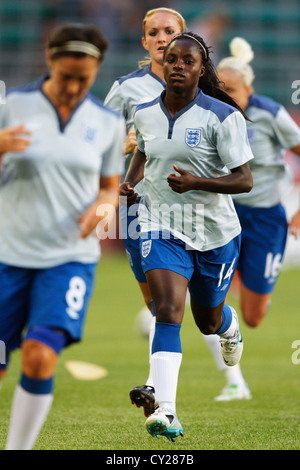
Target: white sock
x=29 y=412
x=165 y=370
x=233 y=374
x=151 y=336
x=213 y=343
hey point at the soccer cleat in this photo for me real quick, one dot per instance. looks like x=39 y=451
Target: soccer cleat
x=234 y=392
x=164 y=422
x=144 y=396
x=232 y=348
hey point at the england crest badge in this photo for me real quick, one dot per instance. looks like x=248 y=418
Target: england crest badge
x=146 y=247
x=89 y=134
x=192 y=137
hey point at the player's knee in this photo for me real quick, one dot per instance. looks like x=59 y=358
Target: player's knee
x=40 y=351
x=36 y=358
x=167 y=313
x=253 y=322
x=253 y=318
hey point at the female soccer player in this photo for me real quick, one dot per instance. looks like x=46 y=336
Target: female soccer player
x=159 y=27
x=271 y=131
x=190 y=233
x=49 y=195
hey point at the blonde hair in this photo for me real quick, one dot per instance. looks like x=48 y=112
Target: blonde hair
x=181 y=21
x=241 y=55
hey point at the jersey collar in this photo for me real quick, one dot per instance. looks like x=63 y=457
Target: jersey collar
x=183 y=110
x=62 y=124
x=156 y=77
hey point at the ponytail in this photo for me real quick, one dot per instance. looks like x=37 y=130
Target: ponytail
x=209 y=82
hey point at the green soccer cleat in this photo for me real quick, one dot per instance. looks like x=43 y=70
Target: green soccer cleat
x=164 y=423
x=234 y=392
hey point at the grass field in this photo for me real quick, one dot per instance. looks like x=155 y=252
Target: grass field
x=98 y=414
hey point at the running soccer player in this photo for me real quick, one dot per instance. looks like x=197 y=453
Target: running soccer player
x=49 y=195
x=271 y=131
x=159 y=27
x=190 y=232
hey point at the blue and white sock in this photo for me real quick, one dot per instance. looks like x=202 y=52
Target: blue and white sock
x=229 y=324
x=165 y=362
x=31 y=404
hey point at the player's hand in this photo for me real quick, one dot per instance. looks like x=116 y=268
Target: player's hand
x=128 y=195
x=131 y=142
x=183 y=182
x=88 y=220
x=14 y=139
x=295 y=225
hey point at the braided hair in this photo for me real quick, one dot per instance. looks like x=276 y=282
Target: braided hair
x=209 y=82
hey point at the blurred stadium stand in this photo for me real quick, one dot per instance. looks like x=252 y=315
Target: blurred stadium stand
x=272 y=27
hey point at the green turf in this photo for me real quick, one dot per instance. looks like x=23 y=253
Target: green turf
x=99 y=415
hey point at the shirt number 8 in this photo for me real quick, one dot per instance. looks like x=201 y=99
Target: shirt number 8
x=75 y=296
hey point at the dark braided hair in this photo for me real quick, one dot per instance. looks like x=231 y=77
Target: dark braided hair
x=209 y=82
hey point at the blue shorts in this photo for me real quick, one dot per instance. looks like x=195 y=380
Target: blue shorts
x=264 y=236
x=209 y=272
x=55 y=297
x=130 y=230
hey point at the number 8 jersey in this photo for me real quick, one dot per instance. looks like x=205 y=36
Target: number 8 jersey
x=45 y=189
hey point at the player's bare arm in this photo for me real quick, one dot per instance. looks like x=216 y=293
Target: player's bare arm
x=238 y=181
x=104 y=205
x=134 y=175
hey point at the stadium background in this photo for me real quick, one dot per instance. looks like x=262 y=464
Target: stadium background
x=271 y=420
x=271 y=26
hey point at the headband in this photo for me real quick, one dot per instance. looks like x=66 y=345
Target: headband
x=192 y=37
x=77 y=46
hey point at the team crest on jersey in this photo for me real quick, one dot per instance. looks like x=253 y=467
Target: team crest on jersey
x=193 y=137
x=89 y=134
x=146 y=247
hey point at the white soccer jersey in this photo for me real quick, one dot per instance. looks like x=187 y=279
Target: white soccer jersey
x=130 y=90
x=45 y=189
x=271 y=132
x=207 y=138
